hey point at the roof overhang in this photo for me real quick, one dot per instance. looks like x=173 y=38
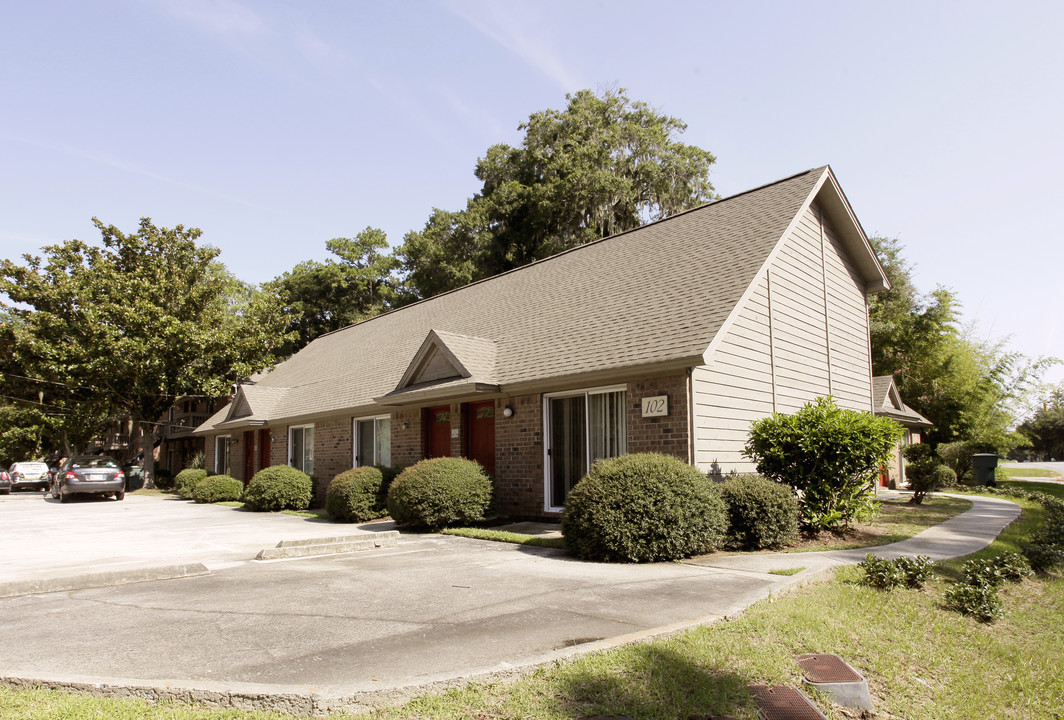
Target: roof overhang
x=432 y=392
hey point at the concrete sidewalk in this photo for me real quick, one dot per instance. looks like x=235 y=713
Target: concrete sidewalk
x=964 y=534
x=352 y=632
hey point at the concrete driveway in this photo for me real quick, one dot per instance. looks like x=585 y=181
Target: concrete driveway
x=47 y=539
x=343 y=632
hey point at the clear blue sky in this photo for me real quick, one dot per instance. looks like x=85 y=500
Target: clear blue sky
x=275 y=126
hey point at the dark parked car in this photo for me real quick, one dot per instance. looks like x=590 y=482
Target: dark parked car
x=89 y=475
x=5 y=483
x=29 y=475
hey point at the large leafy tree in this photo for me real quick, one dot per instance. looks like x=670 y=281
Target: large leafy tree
x=320 y=297
x=128 y=326
x=972 y=390
x=1045 y=427
x=602 y=165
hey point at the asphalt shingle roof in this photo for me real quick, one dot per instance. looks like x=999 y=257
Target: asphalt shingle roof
x=883 y=405
x=657 y=294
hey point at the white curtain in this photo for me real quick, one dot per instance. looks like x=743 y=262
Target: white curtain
x=607 y=426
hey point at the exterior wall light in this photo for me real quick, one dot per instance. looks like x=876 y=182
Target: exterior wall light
x=507 y=412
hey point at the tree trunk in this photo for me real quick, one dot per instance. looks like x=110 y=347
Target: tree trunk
x=148 y=443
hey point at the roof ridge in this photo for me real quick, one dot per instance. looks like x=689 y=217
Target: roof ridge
x=712 y=203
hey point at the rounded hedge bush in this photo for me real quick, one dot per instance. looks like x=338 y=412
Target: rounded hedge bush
x=761 y=513
x=186 y=481
x=217 y=488
x=643 y=508
x=439 y=492
x=279 y=487
x=356 y=495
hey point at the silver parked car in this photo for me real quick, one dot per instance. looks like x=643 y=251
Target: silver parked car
x=89 y=475
x=29 y=475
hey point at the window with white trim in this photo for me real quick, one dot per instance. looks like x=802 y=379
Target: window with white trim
x=581 y=427
x=301 y=448
x=372 y=441
x=221 y=454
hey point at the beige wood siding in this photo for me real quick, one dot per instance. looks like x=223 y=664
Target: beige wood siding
x=802 y=334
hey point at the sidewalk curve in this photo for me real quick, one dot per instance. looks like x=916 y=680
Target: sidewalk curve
x=961 y=535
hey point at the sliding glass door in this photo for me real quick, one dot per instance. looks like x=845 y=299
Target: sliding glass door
x=582 y=428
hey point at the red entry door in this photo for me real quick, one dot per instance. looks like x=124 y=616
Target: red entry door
x=481 y=436
x=438 y=432
x=249 y=455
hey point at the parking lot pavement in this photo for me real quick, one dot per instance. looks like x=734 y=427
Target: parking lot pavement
x=432 y=609
x=45 y=539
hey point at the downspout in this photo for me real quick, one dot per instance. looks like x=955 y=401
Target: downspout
x=691 y=416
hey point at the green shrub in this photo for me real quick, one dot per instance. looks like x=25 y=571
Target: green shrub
x=884 y=574
x=355 y=495
x=1000 y=475
x=440 y=492
x=979 y=600
x=164 y=479
x=1044 y=558
x=915 y=571
x=958 y=456
x=1045 y=553
x=186 y=481
x=925 y=479
x=388 y=475
x=217 y=488
x=926 y=472
x=761 y=513
x=1000 y=569
x=879 y=572
x=195 y=462
x=832 y=456
x=279 y=487
x=643 y=508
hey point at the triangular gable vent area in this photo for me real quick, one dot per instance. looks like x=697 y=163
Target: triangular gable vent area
x=450 y=356
x=435 y=365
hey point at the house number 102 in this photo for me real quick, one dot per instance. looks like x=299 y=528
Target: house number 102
x=656 y=406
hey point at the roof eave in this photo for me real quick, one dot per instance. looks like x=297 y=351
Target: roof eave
x=400 y=398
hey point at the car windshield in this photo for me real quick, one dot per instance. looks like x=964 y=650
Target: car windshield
x=33 y=468
x=101 y=462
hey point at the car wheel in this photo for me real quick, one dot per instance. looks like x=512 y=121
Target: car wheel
x=120 y=495
x=63 y=498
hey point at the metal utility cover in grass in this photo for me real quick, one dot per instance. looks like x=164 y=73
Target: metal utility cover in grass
x=827 y=669
x=835 y=677
x=784 y=703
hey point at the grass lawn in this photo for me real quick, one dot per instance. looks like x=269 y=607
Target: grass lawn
x=1031 y=472
x=1047 y=488
x=155 y=492
x=506 y=536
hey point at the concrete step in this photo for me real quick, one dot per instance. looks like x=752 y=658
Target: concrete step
x=330 y=545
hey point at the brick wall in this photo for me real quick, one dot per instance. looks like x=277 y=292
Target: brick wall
x=519 y=456
x=278 y=446
x=236 y=455
x=208 y=453
x=670 y=434
x=407 y=445
x=332 y=452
